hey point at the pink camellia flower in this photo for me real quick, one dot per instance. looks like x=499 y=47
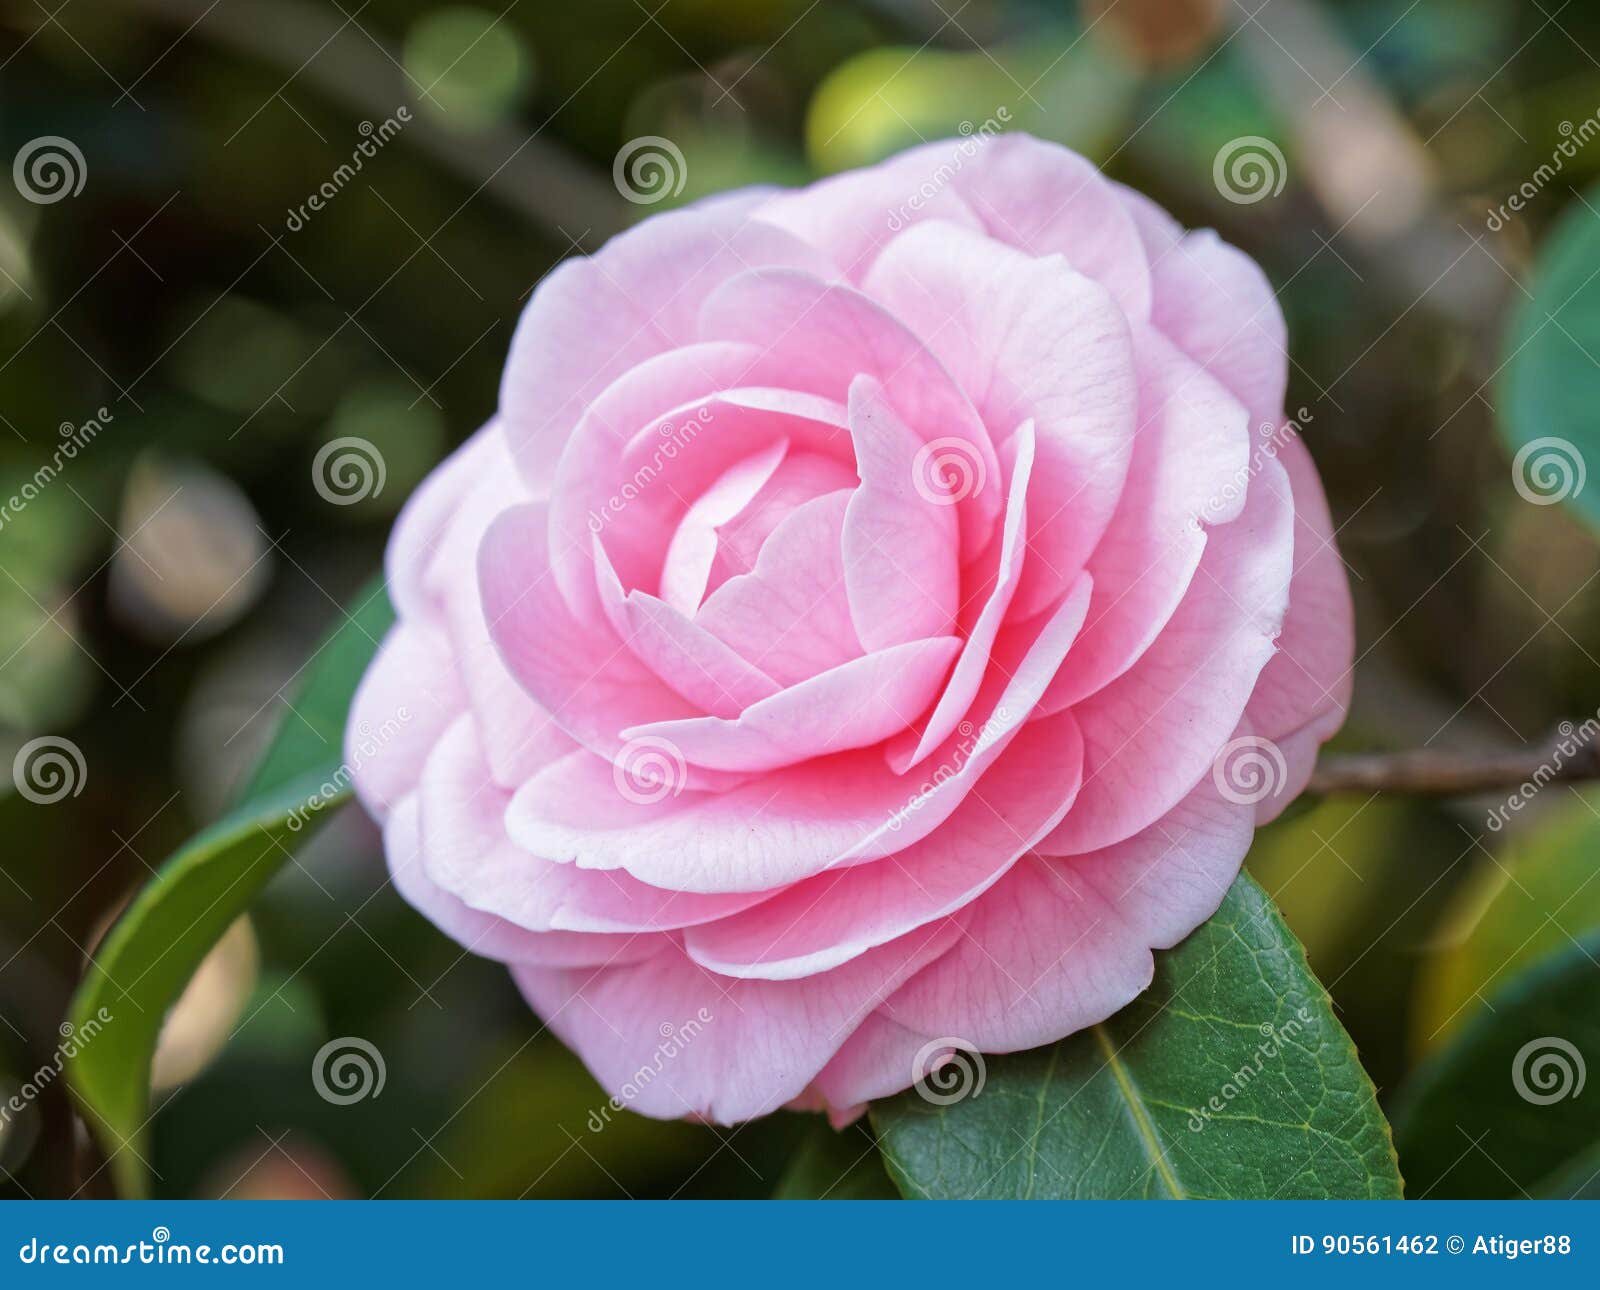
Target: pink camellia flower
x=835 y=647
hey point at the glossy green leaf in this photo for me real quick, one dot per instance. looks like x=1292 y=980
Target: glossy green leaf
x=1551 y=380
x=1229 y=1077
x=1531 y=899
x=1503 y=1109
x=836 y=1164
x=147 y=958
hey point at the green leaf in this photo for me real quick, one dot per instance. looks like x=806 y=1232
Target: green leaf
x=147 y=958
x=1533 y=899
x=831 y=1164
x=1551 y=382
x=1228 y=1077
x=1501 y=1110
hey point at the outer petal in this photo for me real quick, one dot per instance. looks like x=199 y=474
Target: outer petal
x=1190 y=468
x=1304 y=692
x=1062 y=943
x=851 y=216
x=1214 y=301
x=408 y=698
x=510 y=723
x=468 y=859
x=420 y=528
x=485 y=934
x=739 y=1049
x=1153 y=732
x=1047 y=200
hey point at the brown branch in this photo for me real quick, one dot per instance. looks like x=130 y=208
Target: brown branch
x=1569 y=757
x=328 y=49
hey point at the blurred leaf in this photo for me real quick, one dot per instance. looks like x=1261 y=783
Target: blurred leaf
x=148 y=957
x=1551 y=382
x=473 y=65
x=1057 y=87
x=841 y=1164
x=1531 y=901
x=1229 y=1077
x=1498 y=1112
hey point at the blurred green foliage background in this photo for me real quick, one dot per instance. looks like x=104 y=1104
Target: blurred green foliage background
x=162 y=592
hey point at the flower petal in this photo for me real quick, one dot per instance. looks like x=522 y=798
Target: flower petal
x=901 y=543
x=824 y=921
x=677 y=1040
x=1152 y=733
x=854 y=705
x=1028 y=339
